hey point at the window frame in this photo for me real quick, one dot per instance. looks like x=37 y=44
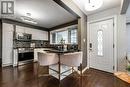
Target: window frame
x=65 y=29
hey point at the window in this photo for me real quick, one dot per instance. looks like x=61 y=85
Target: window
x=63 y=35
x=73 y=35
x=68 y=35
x=100 y=42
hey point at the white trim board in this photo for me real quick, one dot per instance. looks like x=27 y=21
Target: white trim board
x=114 y=17
x=76 y=69
x=5 y=65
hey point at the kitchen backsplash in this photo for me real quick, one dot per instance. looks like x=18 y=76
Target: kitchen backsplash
x=33 y=43
x=40 y=44
x=69 y=46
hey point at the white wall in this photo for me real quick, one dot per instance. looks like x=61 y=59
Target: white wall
x=128 y=37
x=121 y=42
x=121 y=33
x=128 y=28
x=103 y=14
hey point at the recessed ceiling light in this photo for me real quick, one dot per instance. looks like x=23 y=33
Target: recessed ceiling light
x=93 y=4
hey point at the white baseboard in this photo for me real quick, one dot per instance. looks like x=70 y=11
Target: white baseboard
x=14 y=65
x=82 y=70
x=85 y=69
x=4 y=65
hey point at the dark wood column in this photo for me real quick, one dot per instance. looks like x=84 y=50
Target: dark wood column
x=82 y=38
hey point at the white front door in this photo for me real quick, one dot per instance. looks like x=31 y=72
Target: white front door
x=101 y=48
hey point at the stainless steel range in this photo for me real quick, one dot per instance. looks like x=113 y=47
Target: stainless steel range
x=25 y=55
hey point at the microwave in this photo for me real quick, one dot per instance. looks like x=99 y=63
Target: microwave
x=23 y=36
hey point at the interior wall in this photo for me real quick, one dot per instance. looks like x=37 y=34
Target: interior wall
x=103 y=14
x=82 y=29
x=128 y=28
x=128 y=37
x=121 y=33
x=121 y=42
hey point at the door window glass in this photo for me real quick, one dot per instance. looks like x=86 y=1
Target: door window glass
x=100 y=42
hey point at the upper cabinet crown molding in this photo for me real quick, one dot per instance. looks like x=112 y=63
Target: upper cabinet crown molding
x=14 y=22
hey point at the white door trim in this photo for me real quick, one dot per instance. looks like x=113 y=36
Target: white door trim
x=115 y=39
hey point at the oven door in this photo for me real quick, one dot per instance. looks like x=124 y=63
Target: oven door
x=25 y=56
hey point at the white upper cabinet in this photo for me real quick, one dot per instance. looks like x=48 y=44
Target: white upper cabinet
x=36 y=34
x=28 y=30
x=40 y=35
x=20 y=29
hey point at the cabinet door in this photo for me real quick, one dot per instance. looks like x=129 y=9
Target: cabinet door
x=20 y=29
x=7 y=46
x=40 y=35
x=34 y=34
x=45 y=35
x=29 y=30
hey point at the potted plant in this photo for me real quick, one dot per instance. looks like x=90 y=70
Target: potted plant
x=128 y=69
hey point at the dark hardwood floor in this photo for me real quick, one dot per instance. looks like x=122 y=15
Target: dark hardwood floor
x=26 y=76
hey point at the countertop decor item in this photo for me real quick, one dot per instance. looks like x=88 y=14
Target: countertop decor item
x=128 y=69
x=128 y=63
x=62 y=41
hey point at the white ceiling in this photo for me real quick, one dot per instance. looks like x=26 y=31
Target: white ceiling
x=47 y=13
x=107 y=4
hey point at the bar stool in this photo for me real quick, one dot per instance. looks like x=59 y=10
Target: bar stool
x=73 y=60
x=46 y=59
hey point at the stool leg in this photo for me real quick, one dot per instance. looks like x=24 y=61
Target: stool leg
x=59 y=68
x=81 y=75
x=59 y=74
x=38 y=74
x=37 y=69
x=72 y=69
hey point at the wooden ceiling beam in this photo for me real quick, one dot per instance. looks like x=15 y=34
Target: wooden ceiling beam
x=124 y=6
x=59 y=2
